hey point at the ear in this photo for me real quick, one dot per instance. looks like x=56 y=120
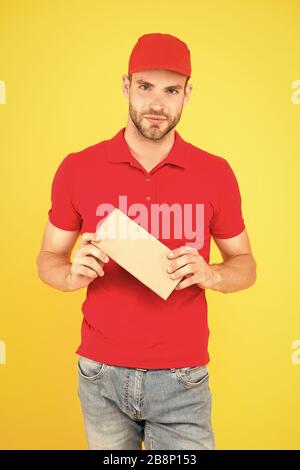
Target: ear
x=125 y=85
x=188 y=92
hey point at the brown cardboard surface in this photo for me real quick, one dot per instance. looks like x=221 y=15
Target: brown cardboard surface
x=137 y=251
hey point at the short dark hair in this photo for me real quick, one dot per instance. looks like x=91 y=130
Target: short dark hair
x=186 y=81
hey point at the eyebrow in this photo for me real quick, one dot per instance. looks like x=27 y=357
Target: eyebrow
x=178 y=86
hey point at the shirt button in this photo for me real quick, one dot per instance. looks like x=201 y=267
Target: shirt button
x=148 y=198
x=148 y=179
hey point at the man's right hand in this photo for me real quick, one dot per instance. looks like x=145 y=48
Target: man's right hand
x=87 y=263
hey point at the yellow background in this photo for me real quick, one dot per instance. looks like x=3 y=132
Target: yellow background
x=62 y=63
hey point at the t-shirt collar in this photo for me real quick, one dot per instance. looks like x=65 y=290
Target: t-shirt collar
x=120 y=152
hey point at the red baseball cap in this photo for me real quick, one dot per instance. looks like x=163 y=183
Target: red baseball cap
x=160 y=51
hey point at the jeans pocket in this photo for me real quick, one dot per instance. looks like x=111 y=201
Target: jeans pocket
x=192 y=376
x=90 y=370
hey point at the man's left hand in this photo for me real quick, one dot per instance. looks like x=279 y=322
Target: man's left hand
x=186 y=261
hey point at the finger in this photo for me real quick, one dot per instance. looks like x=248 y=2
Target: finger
x=81 y=270
x=186 y=282
x=90 y=262
x=179 y=262
x=87 y=237
x=182 y=250
x=189 y=268
x=91 y=249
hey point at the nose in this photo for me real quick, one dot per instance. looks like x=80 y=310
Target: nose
x=157 y=102
x=156 y=109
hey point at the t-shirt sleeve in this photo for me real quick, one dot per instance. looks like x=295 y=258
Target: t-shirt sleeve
x=62 y=213
x=227 y=220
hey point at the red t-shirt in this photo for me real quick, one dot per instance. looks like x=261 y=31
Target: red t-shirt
x=124 y=322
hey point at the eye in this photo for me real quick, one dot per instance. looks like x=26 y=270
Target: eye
x=173 y=89
x=146 y=86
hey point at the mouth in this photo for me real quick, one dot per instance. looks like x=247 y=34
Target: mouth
x=155 y=119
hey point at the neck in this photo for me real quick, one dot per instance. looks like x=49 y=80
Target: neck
x=148 y=152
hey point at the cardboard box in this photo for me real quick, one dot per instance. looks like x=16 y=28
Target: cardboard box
x=137 y=251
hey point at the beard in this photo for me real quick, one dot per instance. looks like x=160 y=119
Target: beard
x=154 y=132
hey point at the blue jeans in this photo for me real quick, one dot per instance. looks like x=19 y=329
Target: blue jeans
x=164 y=408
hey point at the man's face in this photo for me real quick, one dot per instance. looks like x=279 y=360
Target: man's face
x=158 y=94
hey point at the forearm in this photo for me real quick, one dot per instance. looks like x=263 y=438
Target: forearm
x=234 y=274
x=54 y=269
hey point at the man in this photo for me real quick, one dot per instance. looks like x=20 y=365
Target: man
x=142 y=365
